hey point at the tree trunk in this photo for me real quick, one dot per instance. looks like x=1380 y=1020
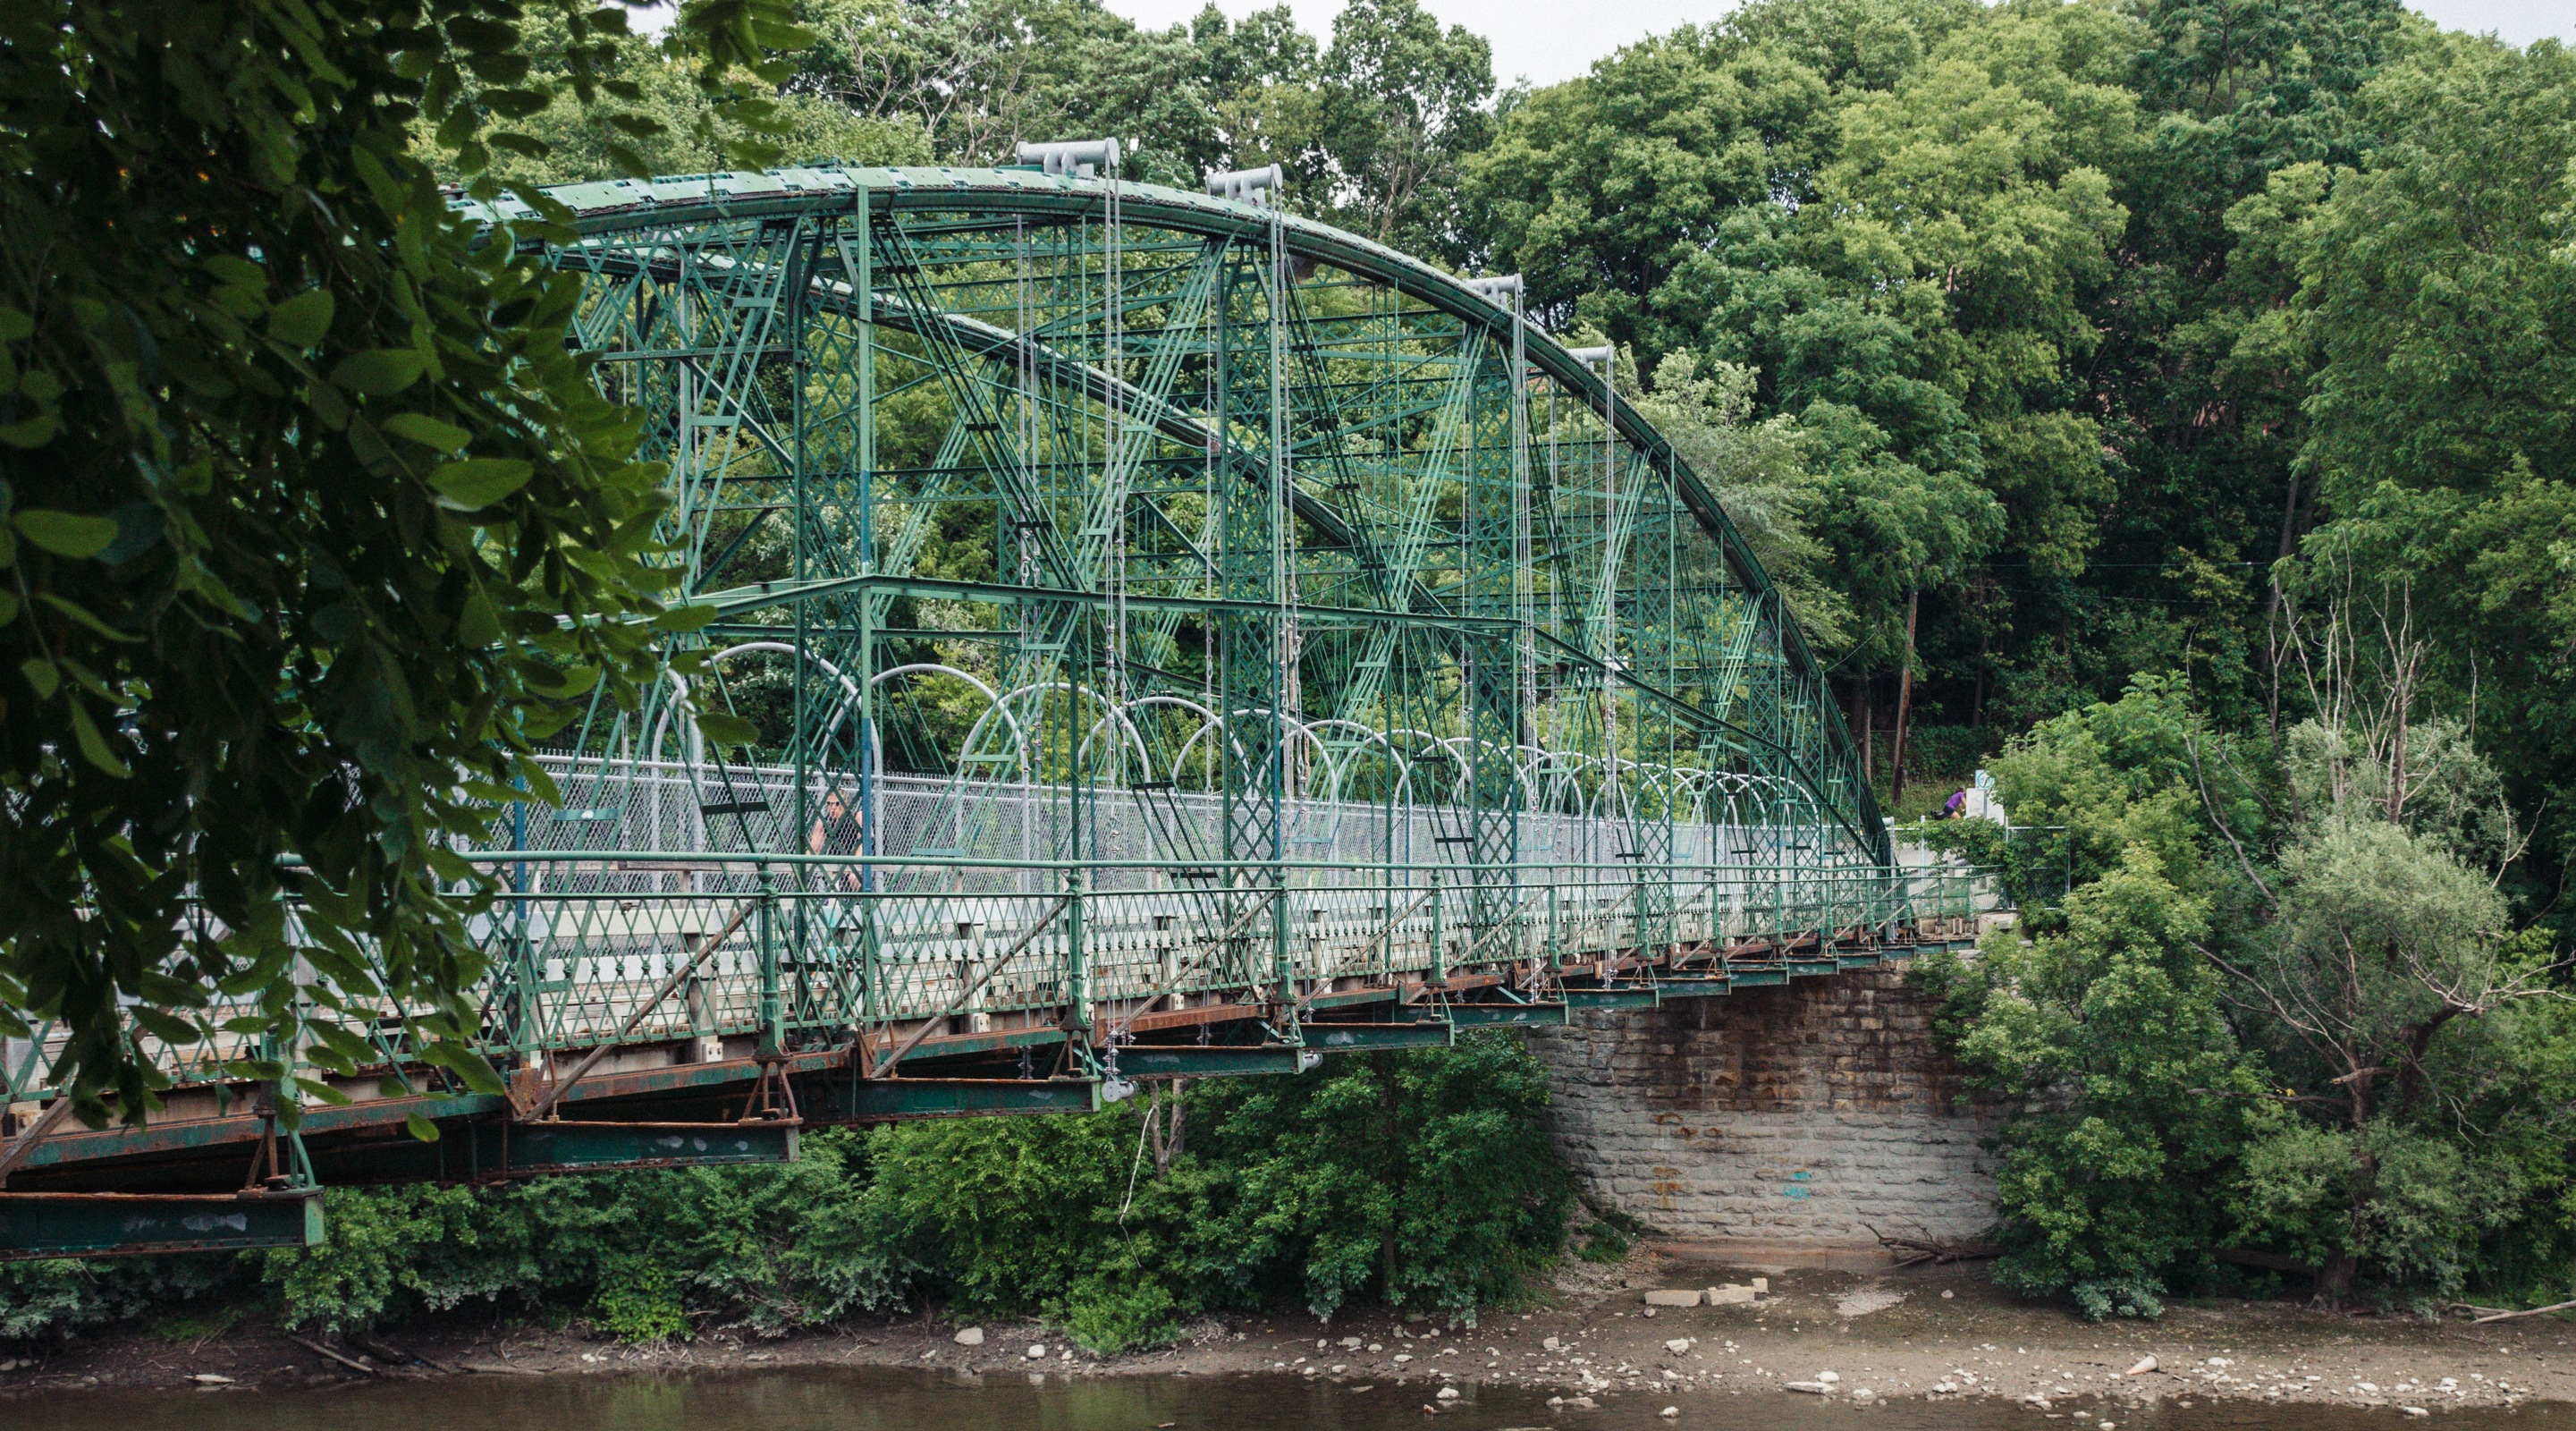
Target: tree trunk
x=1904 y=695
x=2334 y=1280
x=1384 y=1067
x=2272 y=610
x=1977 y=708
x=1868 y=766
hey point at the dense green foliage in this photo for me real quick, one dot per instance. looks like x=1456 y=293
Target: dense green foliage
x=2284 y=1012
x=1422 y=1180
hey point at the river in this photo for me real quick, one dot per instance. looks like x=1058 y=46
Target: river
x=881 y=1399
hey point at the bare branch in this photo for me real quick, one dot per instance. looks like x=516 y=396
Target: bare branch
x=2200 y=777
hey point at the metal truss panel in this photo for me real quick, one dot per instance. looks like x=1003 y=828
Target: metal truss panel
x=1534 y=1015
x=1212 y=1061
x=43 y=1225
x=1359 y=1038
x=895 y=1100
x=1610 y=998
x=496 y=1151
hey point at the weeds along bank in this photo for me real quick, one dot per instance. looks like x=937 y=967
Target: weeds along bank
x=1421 y=1179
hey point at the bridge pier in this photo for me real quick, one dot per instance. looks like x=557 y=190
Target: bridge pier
x=1801 y=1113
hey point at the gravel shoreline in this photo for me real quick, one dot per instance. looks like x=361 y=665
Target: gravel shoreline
x=1841 y=1324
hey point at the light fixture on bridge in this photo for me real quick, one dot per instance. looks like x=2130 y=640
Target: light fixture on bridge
x=1081 y=158
x=1590 y=356
x=1248 y=186
x=1493 y=289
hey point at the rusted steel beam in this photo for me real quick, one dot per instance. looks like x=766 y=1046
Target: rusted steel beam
x=215 y=1137
x=24 y=1145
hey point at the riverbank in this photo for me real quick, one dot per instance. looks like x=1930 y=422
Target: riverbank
x=1844 y=1320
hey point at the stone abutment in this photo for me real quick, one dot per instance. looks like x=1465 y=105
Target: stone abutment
x=1810 y=1112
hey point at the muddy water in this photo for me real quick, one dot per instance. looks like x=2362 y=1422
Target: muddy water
x=896 y=1400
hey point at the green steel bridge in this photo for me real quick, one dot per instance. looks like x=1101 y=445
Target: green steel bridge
x=1184 y=640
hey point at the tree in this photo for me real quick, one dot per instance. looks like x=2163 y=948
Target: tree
x=2380 y=934
x=1759 y=474
x=700 y=129
x=2108 y=1032
x=1604 y=189
x=2444 y=324
x=1400 y=105
x=980 y=76
x=301 y=484
x=1854 y=44
x=1972 y=193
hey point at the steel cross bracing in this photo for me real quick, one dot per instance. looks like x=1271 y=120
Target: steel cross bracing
x=1182 y=638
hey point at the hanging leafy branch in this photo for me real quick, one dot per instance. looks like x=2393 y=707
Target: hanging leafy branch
x=298 y=484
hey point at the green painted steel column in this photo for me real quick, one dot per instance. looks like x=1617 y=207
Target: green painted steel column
x=773 y=1008
x=1077 y=964
x=1439 y=944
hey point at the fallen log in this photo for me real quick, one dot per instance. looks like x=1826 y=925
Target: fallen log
x=391 y=1355
x=2528 y=1312
x=1914 y=1251
x=494 y=1368
x=350 y=1362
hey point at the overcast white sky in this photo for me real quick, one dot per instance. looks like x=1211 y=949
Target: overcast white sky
x=1545 y=41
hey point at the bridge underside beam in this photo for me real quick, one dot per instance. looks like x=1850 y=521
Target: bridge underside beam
x=46 y=1225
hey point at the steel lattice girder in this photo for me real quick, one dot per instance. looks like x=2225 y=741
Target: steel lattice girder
x=990 y=288
x=1259 y=497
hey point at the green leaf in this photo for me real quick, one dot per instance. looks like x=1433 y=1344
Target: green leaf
x=323 y=1091
x=421 y=1128
x=465 y=1063
x=34 y=432
x=381 y=371
x=8 y=608
x=42 y=675
x=478 y=625
x=516 y=103
x=725 y=728
x=521 y=144
x=478 y=482
x=93 y=746
x=427 y=431
x=236 y=271
x=477 y=36
x=685 y=618
x=165 y=1027
x=66 y=534
x=14 y=325
x=82 y=615
x=498 y=69
x=300 y=321
x=575 y=681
